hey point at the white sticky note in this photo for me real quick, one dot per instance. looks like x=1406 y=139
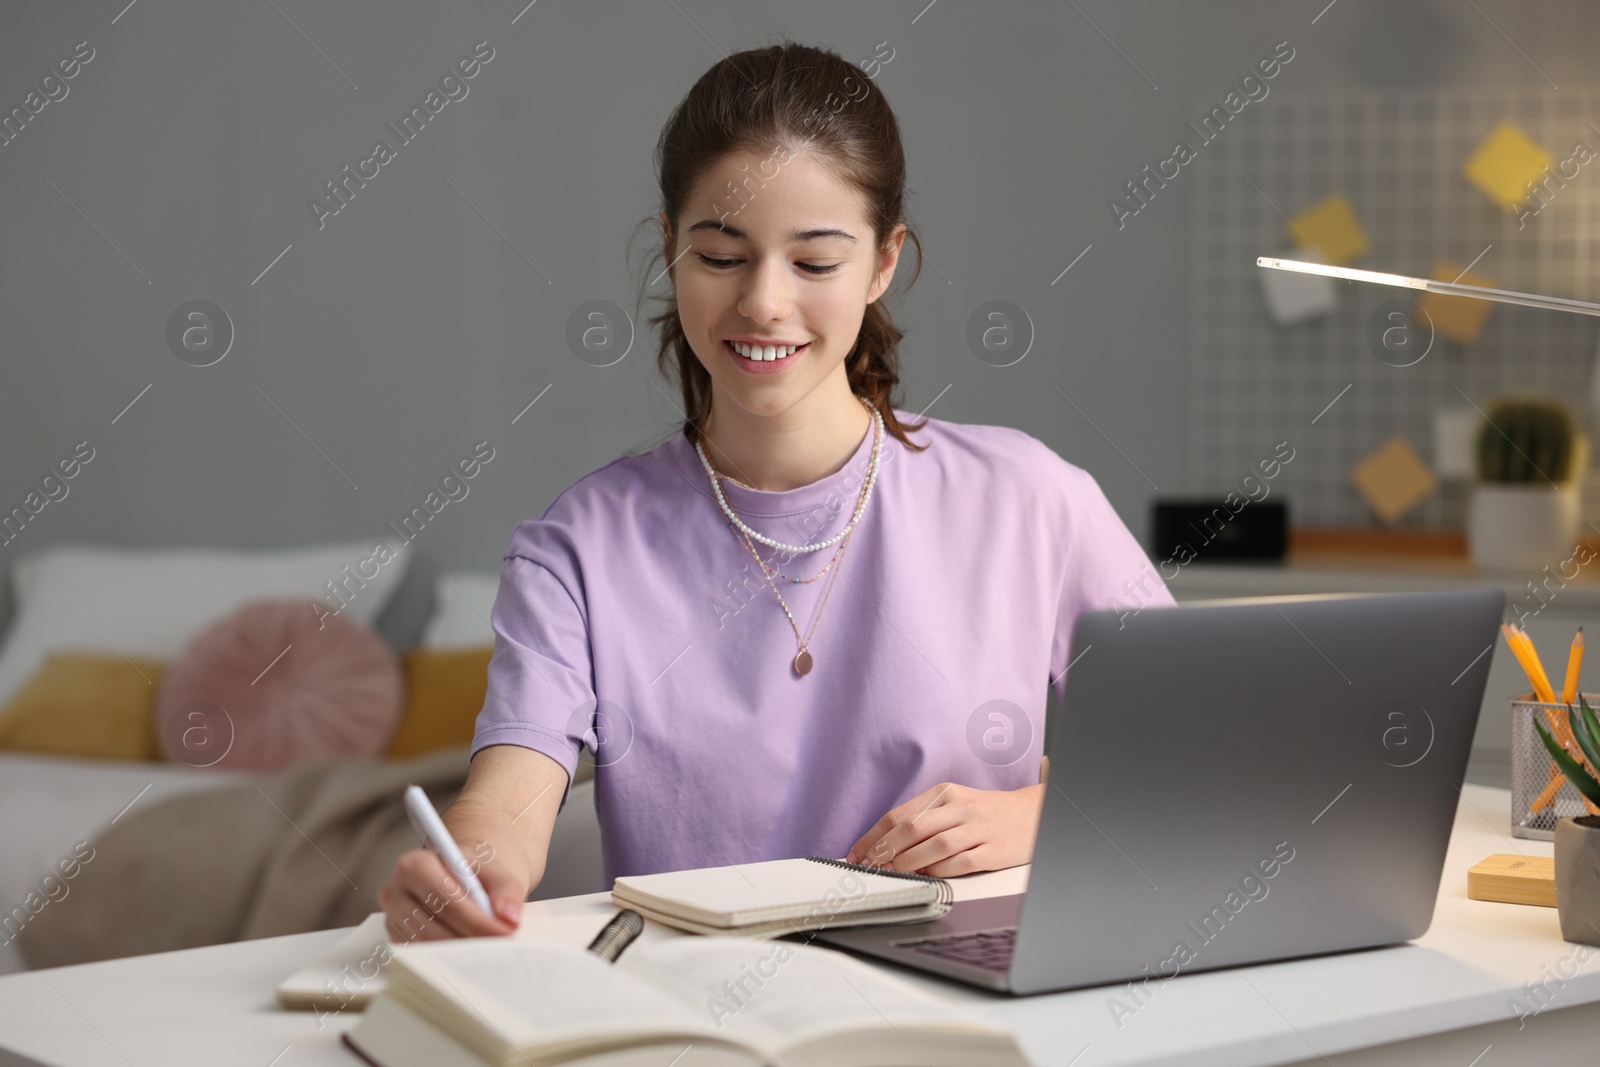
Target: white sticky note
x=1293 y=297
x=1455 y=433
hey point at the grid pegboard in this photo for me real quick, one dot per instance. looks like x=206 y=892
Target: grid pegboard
x=1397 y=155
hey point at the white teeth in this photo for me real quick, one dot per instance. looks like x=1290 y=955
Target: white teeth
x=765 y=353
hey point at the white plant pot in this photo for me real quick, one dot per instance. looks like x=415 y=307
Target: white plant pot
x=1522 y=527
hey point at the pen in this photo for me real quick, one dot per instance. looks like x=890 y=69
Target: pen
x=434 y=835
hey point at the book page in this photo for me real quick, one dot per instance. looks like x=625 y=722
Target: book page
x=774 y=994
x=348 y=975
x=534 y=996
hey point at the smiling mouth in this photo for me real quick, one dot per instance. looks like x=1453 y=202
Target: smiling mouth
x=765 y=354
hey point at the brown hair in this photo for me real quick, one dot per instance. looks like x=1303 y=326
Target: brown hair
x=789 y=97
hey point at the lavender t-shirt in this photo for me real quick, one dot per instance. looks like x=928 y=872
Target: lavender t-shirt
x=630 y=618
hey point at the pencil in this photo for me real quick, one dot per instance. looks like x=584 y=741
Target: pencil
x=1569 y=691
x=1561 y=729
x=1541 y=680
x=1522 y=649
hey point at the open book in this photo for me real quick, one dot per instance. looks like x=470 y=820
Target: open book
x=776 y=897
x=683 y=1001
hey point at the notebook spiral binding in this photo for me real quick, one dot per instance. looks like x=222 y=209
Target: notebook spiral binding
x=617 y=935
x=946 y=895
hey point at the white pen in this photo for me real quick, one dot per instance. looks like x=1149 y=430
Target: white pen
x=434 y=835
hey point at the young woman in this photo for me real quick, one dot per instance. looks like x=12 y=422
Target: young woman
x=789 y=628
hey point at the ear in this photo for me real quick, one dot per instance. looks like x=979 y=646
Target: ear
x=887 y=261
x=666 y=244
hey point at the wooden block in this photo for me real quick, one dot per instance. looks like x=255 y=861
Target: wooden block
x=1510 y=879
x=1329 y=228
x=1393 y=478
x=1504 y=163
x=1459 y=318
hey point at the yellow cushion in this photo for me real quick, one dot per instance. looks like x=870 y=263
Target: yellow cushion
x=86 y=704
x=444 y=693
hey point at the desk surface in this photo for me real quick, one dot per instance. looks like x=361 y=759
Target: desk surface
x=216 y=1005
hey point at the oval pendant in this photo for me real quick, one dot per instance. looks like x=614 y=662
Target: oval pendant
x=802 y=662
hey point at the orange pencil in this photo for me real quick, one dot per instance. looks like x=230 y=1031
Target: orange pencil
x=1522 y=648
x=1563 y=733
x=1569 y=691
x=1541 y=680
x=1516 y=650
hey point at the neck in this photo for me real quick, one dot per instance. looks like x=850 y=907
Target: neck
x=777 y=453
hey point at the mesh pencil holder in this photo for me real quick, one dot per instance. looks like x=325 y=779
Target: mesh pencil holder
x=1537 y=804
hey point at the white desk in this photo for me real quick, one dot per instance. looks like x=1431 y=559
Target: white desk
x=1443 y=998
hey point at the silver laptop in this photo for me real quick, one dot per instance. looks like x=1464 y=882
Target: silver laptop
x=1231 y=782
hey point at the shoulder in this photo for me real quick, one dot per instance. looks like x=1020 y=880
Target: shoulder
x=1014 y=457
x=589 y=508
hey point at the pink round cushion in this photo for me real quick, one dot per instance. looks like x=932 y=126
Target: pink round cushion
x=277 y=683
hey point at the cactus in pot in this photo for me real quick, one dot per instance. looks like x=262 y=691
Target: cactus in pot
x=1529 y=458
x=1528 y=439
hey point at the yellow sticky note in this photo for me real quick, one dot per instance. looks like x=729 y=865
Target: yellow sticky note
x=1393 y=479
x=1459 y=318
x=1330 y=228
x=1504 y=163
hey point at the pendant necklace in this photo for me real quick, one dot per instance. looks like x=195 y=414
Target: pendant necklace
x=803 y=660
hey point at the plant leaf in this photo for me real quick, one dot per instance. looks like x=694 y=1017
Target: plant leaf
x=1576 y=773
x=1587 y=731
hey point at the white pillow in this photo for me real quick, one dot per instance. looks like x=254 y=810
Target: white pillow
x=461 y=604
x=154 y=601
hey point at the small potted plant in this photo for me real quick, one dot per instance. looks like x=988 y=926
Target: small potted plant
x=1578 y=836
x=1525 y=507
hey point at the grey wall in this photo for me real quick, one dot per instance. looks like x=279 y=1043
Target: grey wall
x=407 y=328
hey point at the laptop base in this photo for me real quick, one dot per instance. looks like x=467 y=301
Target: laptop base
x=908 y=943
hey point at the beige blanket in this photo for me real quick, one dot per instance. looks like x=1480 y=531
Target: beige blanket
x=302 y=849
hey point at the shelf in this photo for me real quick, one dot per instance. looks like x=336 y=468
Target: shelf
x=1322 y=560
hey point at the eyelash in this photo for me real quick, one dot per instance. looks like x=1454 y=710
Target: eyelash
x=723 y=264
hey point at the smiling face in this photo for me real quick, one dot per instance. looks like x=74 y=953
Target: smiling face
x=793 y=262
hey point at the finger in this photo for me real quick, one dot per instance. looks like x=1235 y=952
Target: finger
x=867 y=846
x=970 y=861
x=409 y=919
x=406 y=917
x=867 y=842
x=466 y=913
x=935 y=837
x=425 y=878
x=889 y=848
x=507 y=904
x=506 y=896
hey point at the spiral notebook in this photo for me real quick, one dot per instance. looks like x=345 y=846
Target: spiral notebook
x=772 y=898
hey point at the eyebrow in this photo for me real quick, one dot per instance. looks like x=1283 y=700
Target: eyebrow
x=796 y=236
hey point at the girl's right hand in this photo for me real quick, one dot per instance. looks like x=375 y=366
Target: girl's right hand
x=423 y=901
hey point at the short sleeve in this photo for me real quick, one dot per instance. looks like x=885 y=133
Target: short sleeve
x=1104 y=566
x=541 y=676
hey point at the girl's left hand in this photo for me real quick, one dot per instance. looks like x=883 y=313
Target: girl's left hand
x=954 y=829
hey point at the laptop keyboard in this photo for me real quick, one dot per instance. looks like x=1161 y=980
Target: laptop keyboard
x=988 y=949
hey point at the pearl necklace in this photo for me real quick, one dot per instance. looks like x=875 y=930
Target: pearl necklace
x=872 y=478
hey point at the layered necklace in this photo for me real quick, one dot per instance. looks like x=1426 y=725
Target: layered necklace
x=803 y=660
